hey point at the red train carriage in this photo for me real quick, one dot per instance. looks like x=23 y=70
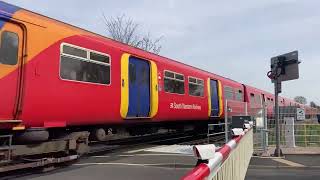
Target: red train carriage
x=55 y=76
x=254 y=99
x=58 y=76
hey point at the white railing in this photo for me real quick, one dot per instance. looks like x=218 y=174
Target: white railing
x=235 y=167
x=230 y=162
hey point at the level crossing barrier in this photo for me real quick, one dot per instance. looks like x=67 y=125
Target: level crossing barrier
x=230 y=162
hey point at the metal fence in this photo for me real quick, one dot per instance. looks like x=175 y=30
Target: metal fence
x=293 y=133
x=232 y=108
x=260 y=136
x=217 y=129
x=257 y=113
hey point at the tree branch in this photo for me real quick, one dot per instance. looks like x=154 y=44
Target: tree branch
x=125 y=30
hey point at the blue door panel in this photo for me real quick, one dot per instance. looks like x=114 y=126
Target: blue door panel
x=139 y=88
x=214 y=98
x=132 y=109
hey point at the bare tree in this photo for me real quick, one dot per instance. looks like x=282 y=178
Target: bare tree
x=125 y=30
x=149 y=44
x=300 y=99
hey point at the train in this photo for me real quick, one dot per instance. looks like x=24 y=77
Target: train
x=56 y=78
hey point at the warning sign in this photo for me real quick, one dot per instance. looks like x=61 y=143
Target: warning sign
x=301 y=116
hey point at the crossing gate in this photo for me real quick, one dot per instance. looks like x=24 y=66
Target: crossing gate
x=230 y=162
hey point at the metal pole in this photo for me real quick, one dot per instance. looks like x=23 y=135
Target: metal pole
x=226 y=121
x=265 y=117
x=276 y=93
x=246 y=108
x=262 y=129
x=208 y=134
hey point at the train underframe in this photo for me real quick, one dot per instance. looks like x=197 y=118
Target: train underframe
x=65 y=144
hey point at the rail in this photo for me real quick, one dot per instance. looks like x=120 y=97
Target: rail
x=230 y=162
x=218 y=129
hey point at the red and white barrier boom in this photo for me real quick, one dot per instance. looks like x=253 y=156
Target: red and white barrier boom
x=212 y=159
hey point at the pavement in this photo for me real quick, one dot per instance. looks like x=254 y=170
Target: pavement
x=291 y=167
x=159 y=162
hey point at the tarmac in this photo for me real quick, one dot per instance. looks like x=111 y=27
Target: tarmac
x=159 y=162
x=171 y=162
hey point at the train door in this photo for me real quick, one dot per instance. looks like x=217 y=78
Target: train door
x=139 y=88
x=214 y=98
x=11 y=49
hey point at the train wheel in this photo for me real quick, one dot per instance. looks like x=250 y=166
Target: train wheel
x=99 y=134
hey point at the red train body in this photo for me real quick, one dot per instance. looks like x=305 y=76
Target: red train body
x=43 y=88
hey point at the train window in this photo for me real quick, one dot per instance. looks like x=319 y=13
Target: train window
x=179 y=77
x=99 y=57
x=258 y=100
x=145 y=78
x=252 y=99
x=196 y=87
x=173 y=82
x=239 y=95
x=228 y=92
x=73 y=51
x=73 y=69
x=199 y=81
x=169 y=74
x=132 y=73
x=76 y=66
x=192 y=80
x=9 y=48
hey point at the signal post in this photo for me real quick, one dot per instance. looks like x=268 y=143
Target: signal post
x=283 y=68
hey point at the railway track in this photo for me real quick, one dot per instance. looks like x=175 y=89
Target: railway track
x=119 y=145
x=136 y=142
x=217 y=140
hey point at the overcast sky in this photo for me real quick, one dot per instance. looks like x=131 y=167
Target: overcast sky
x=235 y=39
